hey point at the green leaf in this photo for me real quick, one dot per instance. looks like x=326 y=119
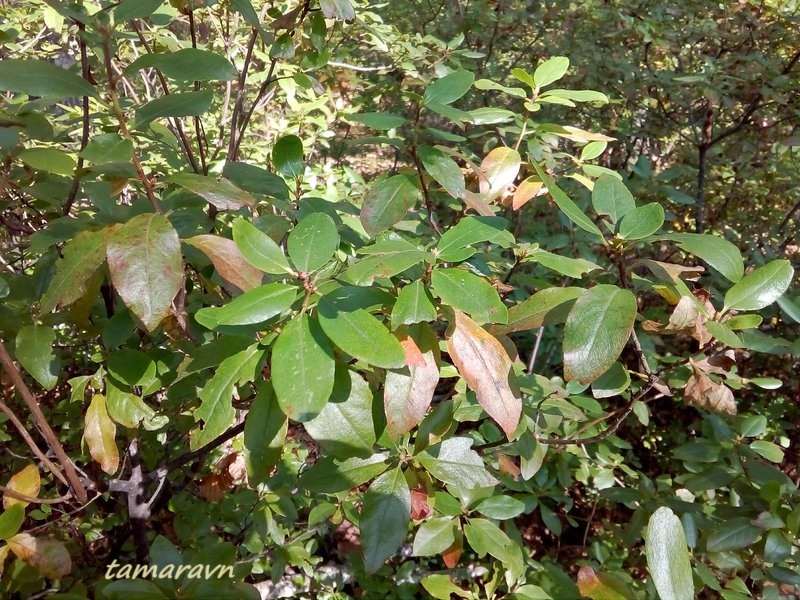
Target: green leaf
x=571 y=267
x=251 y=308
x=329 y=476
x=135 y=9
x=384 y=518
x=501 y=507
x=146 y=266
x=469 y=231
x=546 y=307
x=83 y=256
x=132 y=367
x=216 y=409
x=408 y=393
x=34 y=351
x=50 y=160
x=177 y=104
x=576 y=95
x=386 y=258
x=312 y=242
x=641 y=221
x=387 y=202
x=567 y=206
x=611 y=197
x=41 y=78
x=718 y=252
x=736 y=533
x=344 y=427
x=338 y=9
x=449 y=88
x=441 y=587
x=264 y=434
x=724 y=335
x=550 y=71
x=443 y=169
x=302 y=368
x=454 y=462
x=611 y=383
x=222 y=194
x=414 y=305
x=361 y=335
x=596 y=331
x=378 y=120
x=255 y=179
x=129 y=410
x=125 y=589
x=772 y=452
x=282 y=47
x=490 y=116
x=668 y=556
x=434 y=536
x=287 y=156
x=469 y=293
x=187 y=64
x=259 y=249
x=487 y=538
x=11 y=520
x=761 y=287
x=744 y=322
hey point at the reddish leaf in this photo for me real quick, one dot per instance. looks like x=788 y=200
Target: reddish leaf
x=144 y=258
x=420 y=509
x=485 y=365
x=414 y=356
x=229 y=262
x=452 y=555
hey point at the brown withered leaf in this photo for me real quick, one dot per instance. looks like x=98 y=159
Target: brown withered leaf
x=49 y=557
x=670 y=272
x=486 y=367
x=27 y=482
x=420 y=508
x=408 y=392
x=228 y=261
x=684 y=316
x=718 y=363
x=507 y=465
x=100 y=432
x=703 y=392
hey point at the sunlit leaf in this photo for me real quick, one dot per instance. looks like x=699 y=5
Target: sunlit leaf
x=99 y=432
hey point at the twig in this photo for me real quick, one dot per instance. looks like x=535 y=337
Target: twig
x=73 y=190
x=44 y=426
x=31 y=499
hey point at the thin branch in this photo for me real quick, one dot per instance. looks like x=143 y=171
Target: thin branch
x=44 y=426
x=25 y=498
x=73 y=190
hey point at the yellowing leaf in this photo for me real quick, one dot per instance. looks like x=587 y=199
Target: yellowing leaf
x=602 y=586
x=99 y=431
x=49 y=557
x=526 y=191
x=25 y=482
x=498 y=171
x=486 y=367
x=228 y=260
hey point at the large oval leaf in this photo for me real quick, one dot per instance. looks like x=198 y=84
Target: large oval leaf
x=187 y=64
x=716 y=251
x=312 y=242
x=255 y=306
x=387 y=202
x=41 y=78
x=611 y=197
x=144 y=259
x=449 y=88
x=303 y=369
x=454 y=462
x=760 y=288
x=34 y=351
x=177 y=104
x=566 y=205
x=486 y=367
x=384 y=518
x=470 y=294
x=222 y=194
x=259 y=249
x=264 y=434
x=443 y=169
x=596 y=331
x=546 y=307
x=668 y=556
x=642 y=221
x=287 y=156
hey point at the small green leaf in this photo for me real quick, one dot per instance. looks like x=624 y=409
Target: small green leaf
x=187 y=64
x=469 y=293
x=611 y=383
x=11 y=520
x=744 y=322
x=449 y=88
x=135 y=9
x=255 y=179
x=566 y=205
x=546 y=307
x=668 y=556
x=414 y=305
x=303 y=369
x=602 y=586
x=736 y=533
x=454 y=462
x=434 y=536
x=597 y=329
x=312 y=242
x=177 y=104
x=490 y=116
x=384 y=518
x=641 y=221
x=443 y=169
x=132 y=367
x=441 y=587
x=222 y=194
x=718 y=252
x=571 y=267
x=760 y=288
x=772 y=452
x=253 y=307
x=264 y=434
x=378 y=120
x=287 y=156
x=611 y=197
x=501 y=507
x=487 y=538
x=344 y=427
x=469 y=231
x=387 y=202
x=42 y=78
x=329 y=476
x=129 y=410
x=724 y=335
x=550 y=71
x=259 y=249
x=360 y=334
